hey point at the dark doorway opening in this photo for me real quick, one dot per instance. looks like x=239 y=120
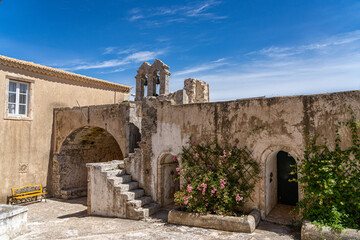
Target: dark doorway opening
x=287 y=191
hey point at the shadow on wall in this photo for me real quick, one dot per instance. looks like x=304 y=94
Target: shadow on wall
x=134 y=137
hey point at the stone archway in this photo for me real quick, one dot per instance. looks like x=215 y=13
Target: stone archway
x=272 y=209
x=268 y=182
x=167 y=182
x=84 y=145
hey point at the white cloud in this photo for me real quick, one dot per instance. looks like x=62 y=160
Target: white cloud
x=135 y=17
x=132 y=58
x=143 y=56
x=327 y=66
x=201 y=68
x=198 y=10
x=109 y=50
x=338 y=40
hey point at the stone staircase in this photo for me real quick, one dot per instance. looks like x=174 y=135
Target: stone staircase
x=112 y=192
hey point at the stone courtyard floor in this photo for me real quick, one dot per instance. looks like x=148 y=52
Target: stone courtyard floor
x=58 y=219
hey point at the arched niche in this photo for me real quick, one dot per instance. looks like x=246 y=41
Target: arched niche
x=168 y=184
x=82 y=146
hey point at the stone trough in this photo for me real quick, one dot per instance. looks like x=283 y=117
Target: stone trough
x=13 y=221
x=246 y=223
x=310 y=231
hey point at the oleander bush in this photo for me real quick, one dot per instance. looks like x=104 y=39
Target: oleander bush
x=218 y=178
x=331 y=181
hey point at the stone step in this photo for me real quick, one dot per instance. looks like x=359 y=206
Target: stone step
x=107 y=166
x=120 y=163
x=140 y=201
x=120 y=179
x=73 y=192
x=128 y=186
x=147 y=210
x=115 y=173
x=133 y=194
x=153 y=207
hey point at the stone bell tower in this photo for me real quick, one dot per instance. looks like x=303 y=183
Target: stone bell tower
x=151 y=76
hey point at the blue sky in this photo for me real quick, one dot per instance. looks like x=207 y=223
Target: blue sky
x=241 y=48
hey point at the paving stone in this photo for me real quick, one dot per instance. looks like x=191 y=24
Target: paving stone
x=67 y=219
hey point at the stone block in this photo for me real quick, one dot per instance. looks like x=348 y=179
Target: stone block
x=310 y=231
x=13 y=220
x=246 y=223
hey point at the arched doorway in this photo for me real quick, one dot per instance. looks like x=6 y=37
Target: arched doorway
x=287 y=192
x=281 y=194
x=168 y=182
x=82 y=146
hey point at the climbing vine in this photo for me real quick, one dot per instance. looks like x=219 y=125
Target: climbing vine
x=331 y=181
x=219 y=178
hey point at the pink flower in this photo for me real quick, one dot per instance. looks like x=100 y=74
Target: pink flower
x=223 y=181
x=222 y=186
x=189 y=188
x=196 y=155
x=174 y=159
x=238 y=198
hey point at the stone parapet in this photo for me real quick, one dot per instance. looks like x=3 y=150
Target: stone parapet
x=13 y=220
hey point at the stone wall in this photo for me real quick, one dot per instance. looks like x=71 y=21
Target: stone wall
x=265 y=125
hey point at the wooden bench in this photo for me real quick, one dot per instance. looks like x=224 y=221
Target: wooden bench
x=27 y=193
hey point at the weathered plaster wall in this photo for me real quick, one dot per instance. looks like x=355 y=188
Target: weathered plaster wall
x=264 y=125
x=25 y=144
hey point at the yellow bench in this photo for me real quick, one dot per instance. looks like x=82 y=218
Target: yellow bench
x=27 y=193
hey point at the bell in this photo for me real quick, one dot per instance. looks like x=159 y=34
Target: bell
x=145 y=81
x=157 y=79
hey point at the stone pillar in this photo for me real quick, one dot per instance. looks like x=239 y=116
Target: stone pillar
x=190 y=88
x=164 y=82
x=151 y=87
x=139 y=88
